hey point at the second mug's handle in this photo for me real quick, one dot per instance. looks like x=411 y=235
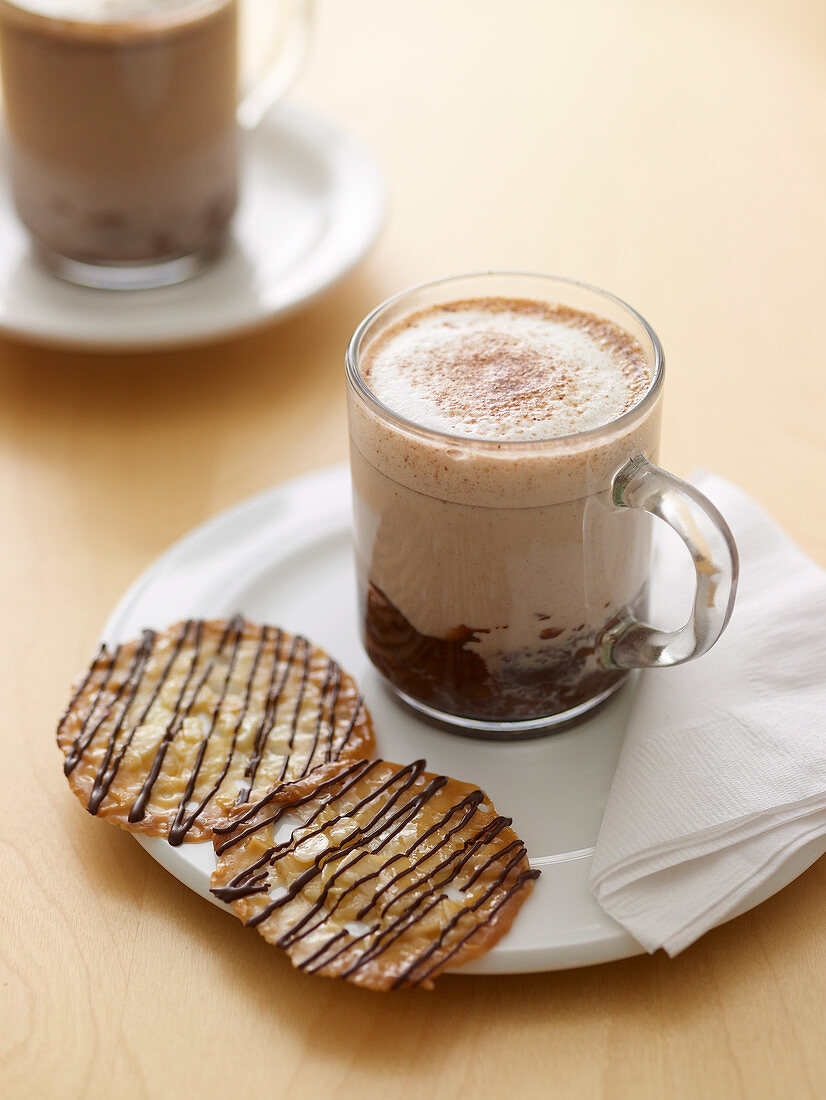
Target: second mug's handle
x=628 y=643
x=282 y=67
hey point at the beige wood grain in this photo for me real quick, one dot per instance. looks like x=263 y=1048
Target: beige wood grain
x=673 y=153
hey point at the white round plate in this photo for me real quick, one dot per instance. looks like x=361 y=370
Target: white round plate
x=286 y=557
x=311 y=205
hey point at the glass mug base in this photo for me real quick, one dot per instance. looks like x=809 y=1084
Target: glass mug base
x=521 y=730
x=130 y=275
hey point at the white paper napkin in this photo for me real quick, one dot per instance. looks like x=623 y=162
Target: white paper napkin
x=722 y=777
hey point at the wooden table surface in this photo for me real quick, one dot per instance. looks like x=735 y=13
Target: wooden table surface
x=672 y=153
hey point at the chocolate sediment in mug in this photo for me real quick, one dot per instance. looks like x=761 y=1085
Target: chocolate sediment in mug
x=446 y=674
x=381 y=874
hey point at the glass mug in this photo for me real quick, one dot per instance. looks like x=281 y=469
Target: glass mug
x=123 y=128
x=503 y=586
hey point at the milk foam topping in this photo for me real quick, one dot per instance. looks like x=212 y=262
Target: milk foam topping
x=506 y=369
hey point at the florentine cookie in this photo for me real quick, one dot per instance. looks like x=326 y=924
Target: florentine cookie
x=381 y=874
x=167 y=734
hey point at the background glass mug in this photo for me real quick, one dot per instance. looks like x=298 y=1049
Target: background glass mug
x=503 y=586
x=123 y=127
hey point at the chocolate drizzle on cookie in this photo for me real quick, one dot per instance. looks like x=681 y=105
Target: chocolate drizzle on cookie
x=407 y=873
x=168 y=734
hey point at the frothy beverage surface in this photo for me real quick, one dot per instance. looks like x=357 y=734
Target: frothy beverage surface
x=506 y=369
x=111 y=11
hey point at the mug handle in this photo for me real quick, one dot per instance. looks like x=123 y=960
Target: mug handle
x=627 y=643
x=282 y=66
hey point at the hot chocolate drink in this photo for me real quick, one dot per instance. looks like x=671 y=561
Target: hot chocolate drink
x=122 y=125
x=485 y=435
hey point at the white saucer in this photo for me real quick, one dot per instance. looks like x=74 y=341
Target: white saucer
x=285 y=557
x=312 y=203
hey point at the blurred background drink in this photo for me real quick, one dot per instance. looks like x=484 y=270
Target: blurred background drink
x=123 y=135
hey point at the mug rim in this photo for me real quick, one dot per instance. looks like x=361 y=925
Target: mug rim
x=356 y=380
